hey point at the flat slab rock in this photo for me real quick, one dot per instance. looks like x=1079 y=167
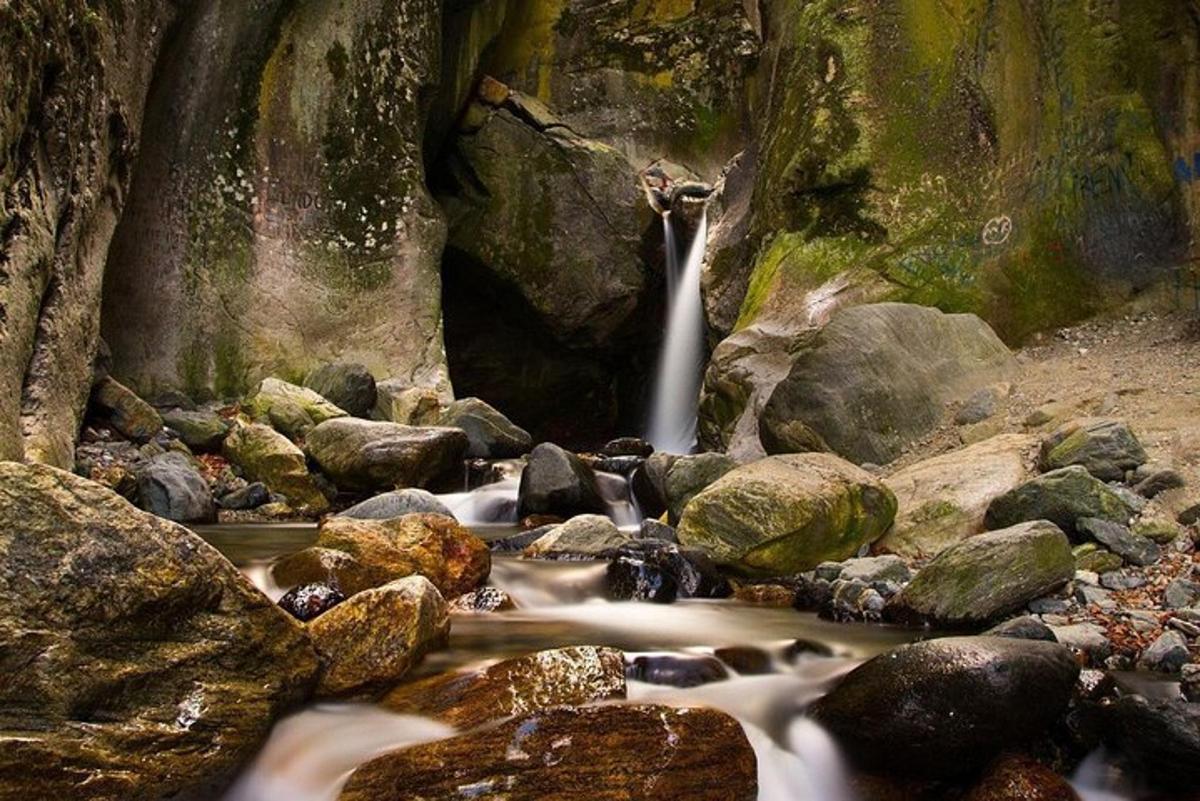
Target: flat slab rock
x=602 y=753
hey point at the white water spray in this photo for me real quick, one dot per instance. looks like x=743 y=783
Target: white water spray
x=677 y=384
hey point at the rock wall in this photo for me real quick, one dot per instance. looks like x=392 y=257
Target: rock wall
x=280 y=217
x=1023 y=161
x=76 y=76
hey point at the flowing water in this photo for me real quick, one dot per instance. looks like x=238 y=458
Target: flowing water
x=672 y=426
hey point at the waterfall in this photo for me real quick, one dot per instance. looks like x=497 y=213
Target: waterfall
x=677 y=383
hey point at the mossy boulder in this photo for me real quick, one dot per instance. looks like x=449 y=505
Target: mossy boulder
x=112 y=616
x=362 y=455
x=368 y=642
x=1108 y=449
x=786 y=514
x=265 y=455
x=1060 y=496
x=291 y=409
x=878 y=377
x=983 y=577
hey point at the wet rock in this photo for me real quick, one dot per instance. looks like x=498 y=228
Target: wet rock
x=490 y=434
x=397 y=504
x=437 y=547
x=309 y=601
x=346 y=385
x=519 y=542
x=581 y=537
x=325 y=566
x=1062 y=497
x=559 y=677
x=656 y=530
x=1016 y=777
x=801 y=648
x=291 y=409
x=1120 y=540
x=786 y=514
x=1161 y=739
x=139 y=663
x=746 y=660
x=1167 y=654
x=649 y=570
x=943 y=500
x=619 y=465
x=902 y=362
x=1105 y=448
x=986 y=576
x=1086 y=639
x=362 y=455
x=202 y=431
x=942 y=708
x=557 y=482
x=628 y=446
x=171 y=487
x=688 y=475
x=1181 y=593
x=1026 y=627
x=482 y=600
x=1159 y=482
x=602 y=753
x=248 y=497
x=371 y=640
x=648 y=484
x=676 y=671
x=125 y=411
x=265 y=455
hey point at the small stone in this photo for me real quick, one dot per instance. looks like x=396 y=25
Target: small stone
x=250 y=496
x=1181 y=593
x=310 y=600
x=1092 y=558
x=1159 y=482
x=1026 y=627
x=482 y=600
x=1167 y=654
x=656 y=530
x=1088 y=595
x=746 y=660
x=1189 y=516
x=873 y=569
x=829 y=571
x=1106 y=448
x=1120 y=540
x=1050 y=606
x=1189 y=682
x=676 y=671
x=628 y=446
x=1122 y=580
x=1087 y=577
x=1087 y=639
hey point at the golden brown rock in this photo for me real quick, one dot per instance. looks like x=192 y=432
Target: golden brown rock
x=1015 y=777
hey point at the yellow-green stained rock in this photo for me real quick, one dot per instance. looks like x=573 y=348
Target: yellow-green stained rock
x=1106 y=448
x=368 y=642
x=1060 y=496
x=265 y=455
x=138 y=663
x=128 y=414
x=291 y=409
x=787 y=514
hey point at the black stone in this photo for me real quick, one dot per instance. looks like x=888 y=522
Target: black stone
x=747 y=660
x=308 y=601
x=250 y=496
x=676 y=671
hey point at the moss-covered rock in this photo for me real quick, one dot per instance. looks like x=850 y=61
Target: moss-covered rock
x=290 y=409
x=1062 y=497
x=202 y=431
x=265 y=455
x=1106 y=448
x=787 y=514
x=983 y=577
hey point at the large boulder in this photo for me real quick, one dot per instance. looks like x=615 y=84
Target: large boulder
x=943 y=708
x=363 y=455
x=125 y=411
x=983 y=577
x=347 y=385
x=490 y=434
x=943 y=500
x=1107 y=448
x=202 y=431
x=397 y=503
x=557 y=482
x=878 y=377
x=379 y=551
x=688 y=475
x=605 y=753
x=1060 y=496
x=787 y=514
x=265 y=455
x=560 y=677
x=370 y=641
x=289 y=408
x=170 y=486
x=138 y=662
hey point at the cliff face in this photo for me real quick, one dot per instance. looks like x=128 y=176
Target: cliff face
x=1019 y=160
x=280 y=217
x=75 y=81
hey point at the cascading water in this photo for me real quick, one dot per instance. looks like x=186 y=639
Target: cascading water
x=677 y=384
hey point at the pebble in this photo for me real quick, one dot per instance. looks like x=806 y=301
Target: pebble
x=1122 y=580
x=1050 y=606
x=1188 y=628
x=1181 y=593
x=1168 y=654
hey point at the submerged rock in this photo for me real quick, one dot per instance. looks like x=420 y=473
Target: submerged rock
x=557 y=482
x=202 y=431
x=362 y=455
x=368 y=642
x=346 y=385
x=787 y=514
x=265 y=455
x=943 y=708
x=1062 y=497
x=878 y=377
x=563 y=676
x=982 y=578
x=490 y=434
x=125 y=411
x=139 y=663
x=602 y=753
x=397 y=504
x=1105 y=448
x=651 y=570
x=170 y=486
x=676 y=671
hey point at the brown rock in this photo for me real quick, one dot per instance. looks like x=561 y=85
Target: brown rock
x=560 y=677
x=1015 y=777
x=602 y=753
x=368 y=642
